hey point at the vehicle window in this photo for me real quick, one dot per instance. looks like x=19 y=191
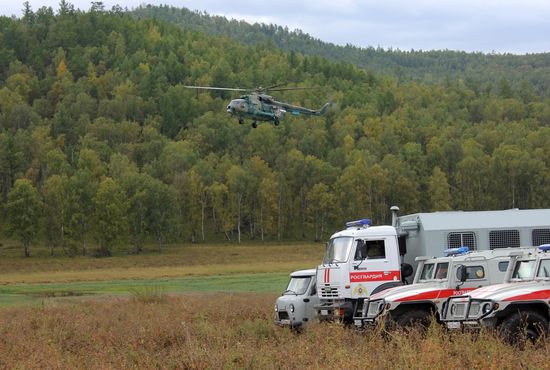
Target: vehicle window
x=338 y=250
x=427 y=271
x=297 y=285
x=503 y=266
x=524 y=269
x=474 y=272
x=544 y=269
x=441 y=270
x=375 y=249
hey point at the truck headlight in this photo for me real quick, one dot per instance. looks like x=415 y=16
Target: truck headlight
x=276 y=308
x=486 y=308
x=291 y=307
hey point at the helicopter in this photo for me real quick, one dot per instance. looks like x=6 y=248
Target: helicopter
x=259 y=106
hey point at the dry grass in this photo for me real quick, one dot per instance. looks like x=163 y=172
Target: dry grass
x=213 y=331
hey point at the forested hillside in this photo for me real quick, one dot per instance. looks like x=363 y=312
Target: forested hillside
x=429 y=66
x=101 y=144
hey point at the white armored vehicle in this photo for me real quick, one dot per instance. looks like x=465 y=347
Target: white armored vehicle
x=519 y=306
x=295 y=307
x=437 y=278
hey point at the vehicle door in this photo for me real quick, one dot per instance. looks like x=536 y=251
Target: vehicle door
x=476 y=276
x=372 y=266
x=311 y=299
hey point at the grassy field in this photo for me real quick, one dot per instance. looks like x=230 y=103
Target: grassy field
x=179 y=268
x=203 y=307
x=228 y=331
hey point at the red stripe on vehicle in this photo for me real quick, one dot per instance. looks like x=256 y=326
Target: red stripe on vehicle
x=434 y=294
x=540 y=294
x=359 y=277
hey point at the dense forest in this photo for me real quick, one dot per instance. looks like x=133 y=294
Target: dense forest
x=102 y=145
x=426 y=66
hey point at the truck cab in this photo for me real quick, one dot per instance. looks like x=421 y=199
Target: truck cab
x=437 y=278
x=294 y=308
x=519 y=306
x=359 y=261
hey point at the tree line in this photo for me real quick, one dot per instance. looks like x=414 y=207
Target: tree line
x=430 y=66
x=102 y=145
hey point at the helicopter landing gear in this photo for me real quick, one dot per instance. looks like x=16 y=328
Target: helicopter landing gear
x=254 y=124
x=276 y=122
x=241 y=121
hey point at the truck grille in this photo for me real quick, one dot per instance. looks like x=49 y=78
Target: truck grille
x=474 y=310
x=283 y=315
x=329 y=292
x=459 y=310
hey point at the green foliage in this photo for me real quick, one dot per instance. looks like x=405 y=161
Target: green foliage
x=95 y=116
x=24 y=210
x=110 y=223
x=502 y=72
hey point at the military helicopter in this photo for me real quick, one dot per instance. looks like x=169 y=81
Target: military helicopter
x=259 y=106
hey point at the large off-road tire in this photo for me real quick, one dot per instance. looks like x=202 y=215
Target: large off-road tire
x=523 y=325
x=414 y=318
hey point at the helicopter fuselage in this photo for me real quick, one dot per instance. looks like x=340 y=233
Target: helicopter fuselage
x=255 y=108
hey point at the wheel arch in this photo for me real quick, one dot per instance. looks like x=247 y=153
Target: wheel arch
x=416 y=305
x=538 y=306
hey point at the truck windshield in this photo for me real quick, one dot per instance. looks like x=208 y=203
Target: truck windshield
x=427 y=271
x=544 y=269
x=297 y=285
x=524 y=270
x=338 y=250
x=441 y=271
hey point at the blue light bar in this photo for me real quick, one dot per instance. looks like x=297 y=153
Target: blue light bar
x=545 y=247
x=359 y=223
x=455 y=251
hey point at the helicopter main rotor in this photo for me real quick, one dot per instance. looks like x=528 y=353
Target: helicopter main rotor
x=258 y=90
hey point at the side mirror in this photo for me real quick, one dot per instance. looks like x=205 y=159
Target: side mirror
x=406 y=270
x=461 y=273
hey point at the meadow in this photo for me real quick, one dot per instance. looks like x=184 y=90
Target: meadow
x=178 y=268
x=228 y=331
x=203 y=307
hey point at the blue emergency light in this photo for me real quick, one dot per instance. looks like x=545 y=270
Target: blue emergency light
x=455 y=251
x=544 y=247
x=359 y=223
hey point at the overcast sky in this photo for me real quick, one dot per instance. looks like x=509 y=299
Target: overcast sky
x=502 y=26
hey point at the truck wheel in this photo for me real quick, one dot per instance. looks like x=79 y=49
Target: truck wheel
x=524 y=325
x=417 y=317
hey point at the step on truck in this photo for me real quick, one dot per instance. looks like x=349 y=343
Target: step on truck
x=518 y=308
x=363 y=260
x=459 y=271
x=294 y=308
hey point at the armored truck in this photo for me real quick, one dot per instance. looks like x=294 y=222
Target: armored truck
x=437 y=278
x=519 y=307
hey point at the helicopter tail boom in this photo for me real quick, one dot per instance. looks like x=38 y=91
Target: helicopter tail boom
x=323 y=109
